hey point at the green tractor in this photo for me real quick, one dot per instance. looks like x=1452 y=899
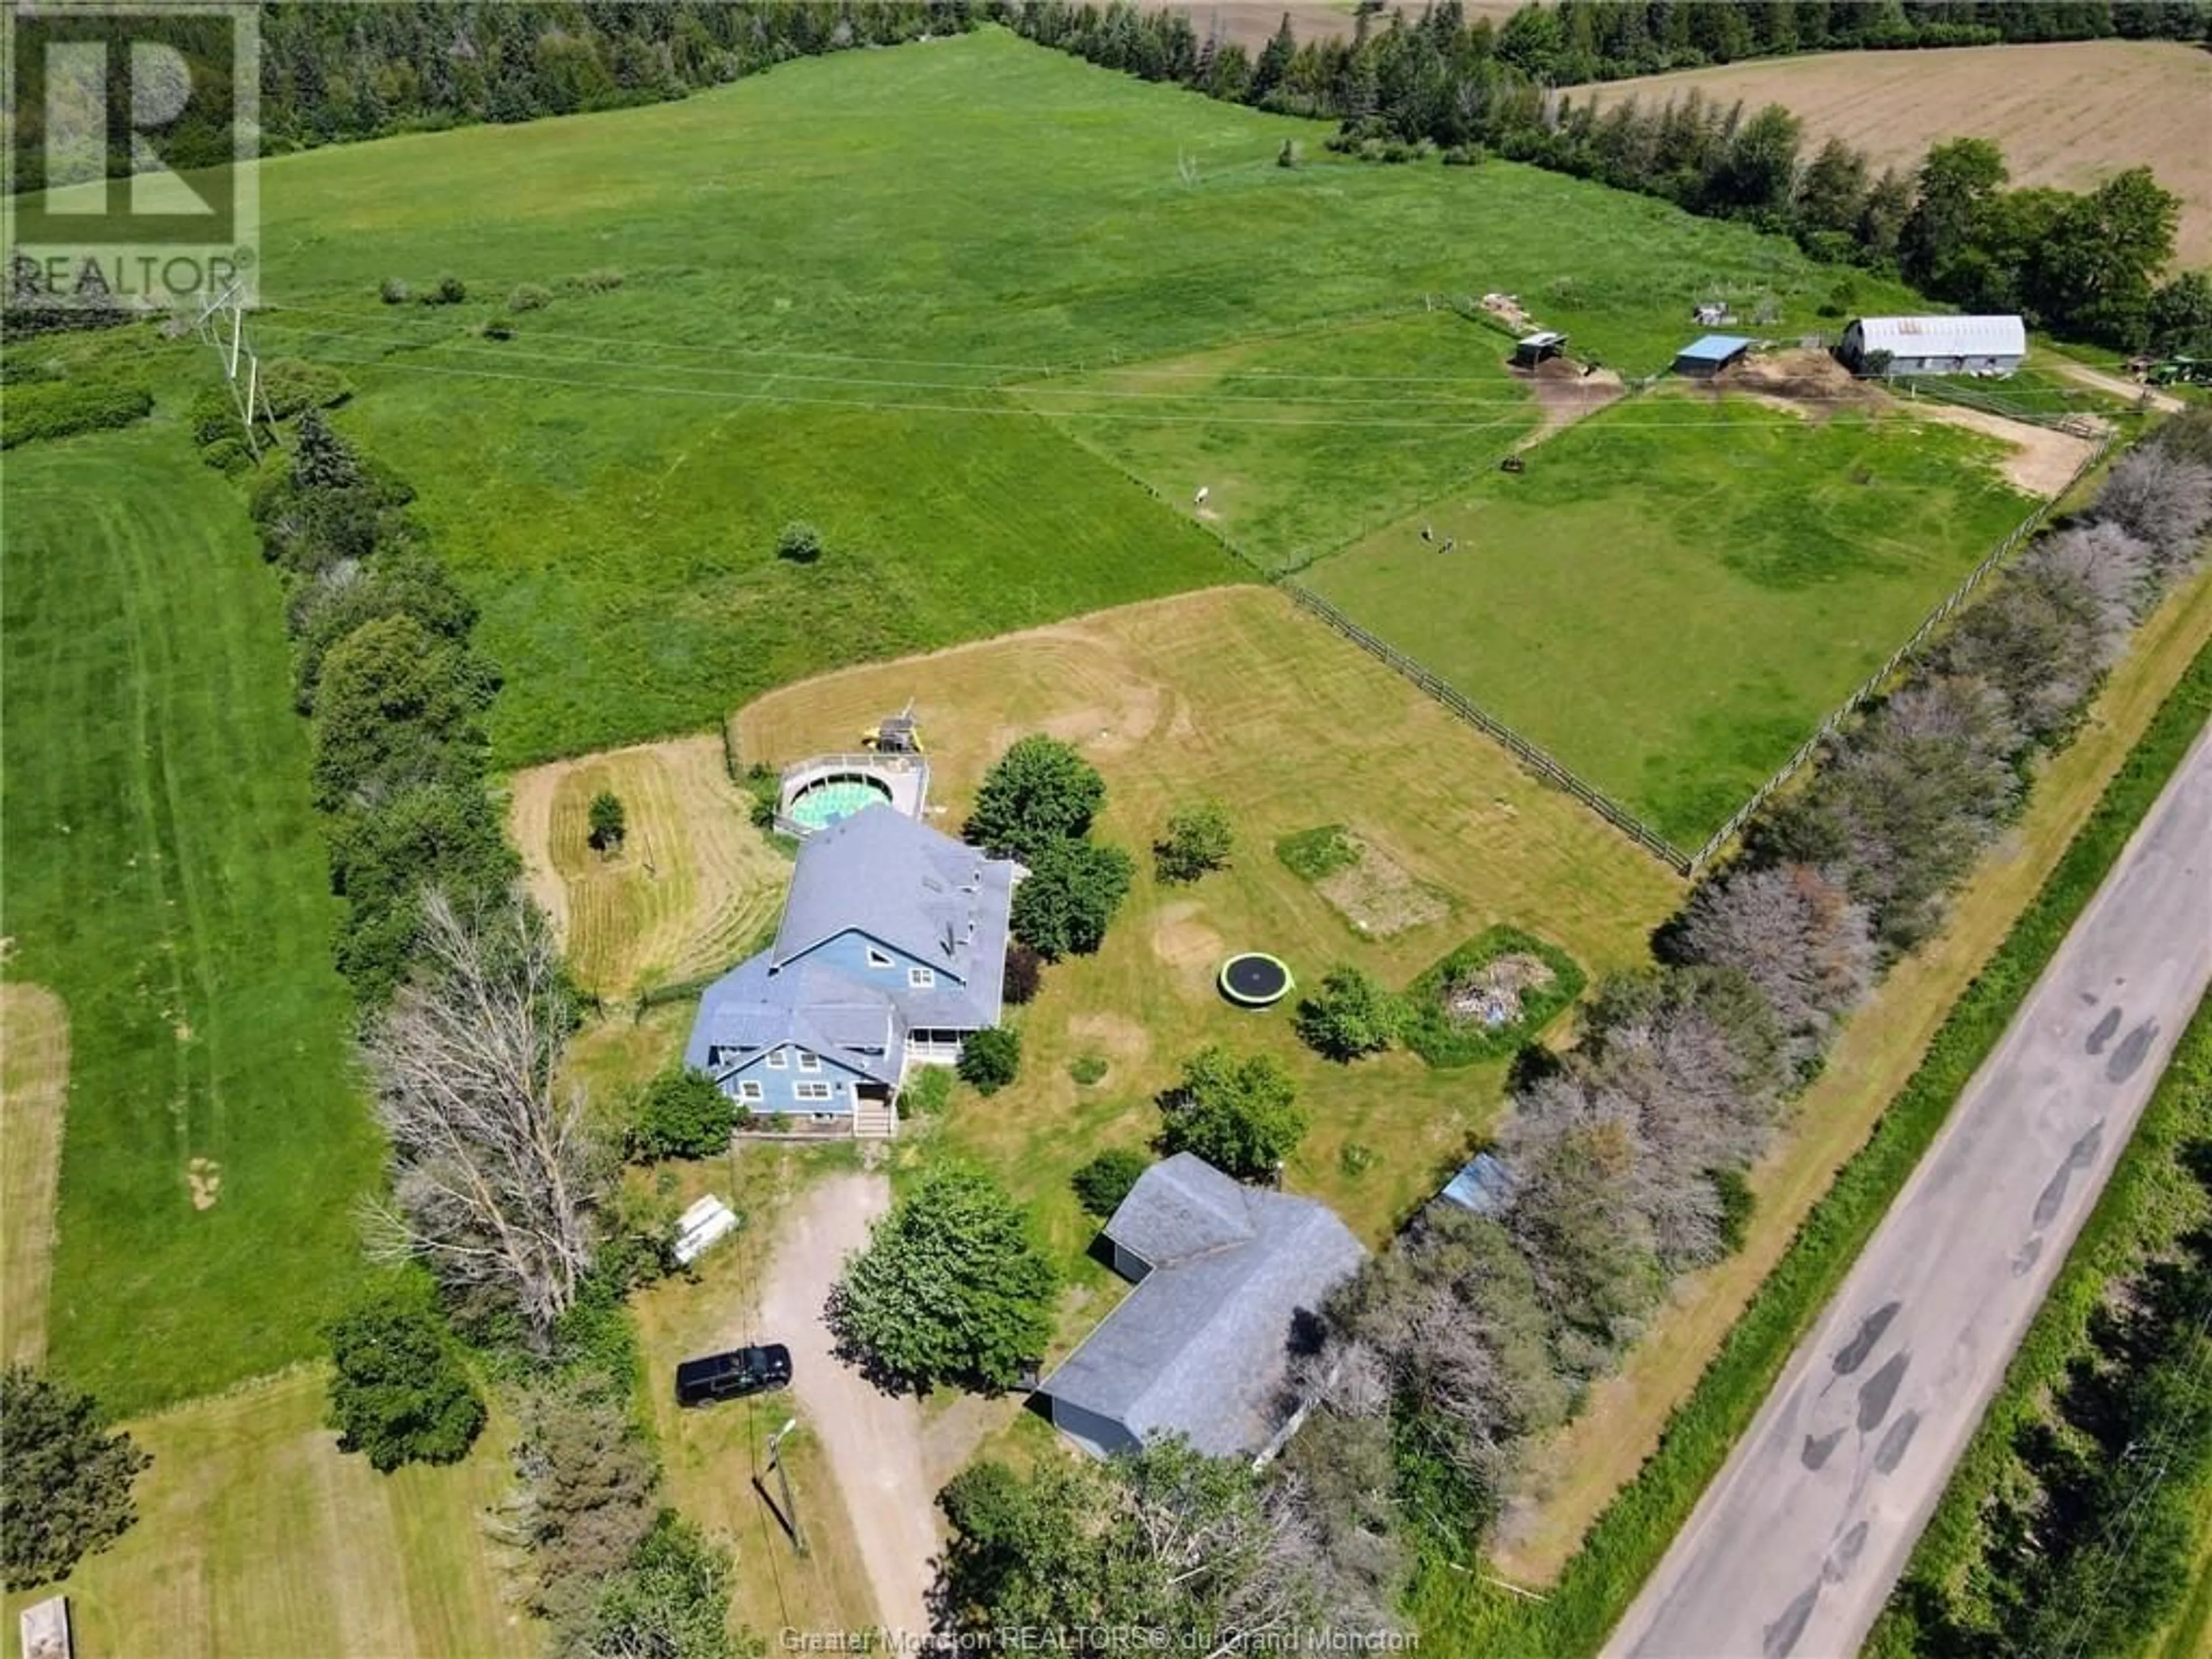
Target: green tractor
x=2180 y=371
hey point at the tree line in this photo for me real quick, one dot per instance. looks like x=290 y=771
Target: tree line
x=1625 y=1157
x=509 y=1237
x=2086 y=264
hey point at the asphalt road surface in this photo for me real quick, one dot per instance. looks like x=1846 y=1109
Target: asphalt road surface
x=1795 y=1548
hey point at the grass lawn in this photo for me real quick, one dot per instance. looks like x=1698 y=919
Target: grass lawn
x=256 y=1539
x=831 y=274
x=33 y=1094
x=1306 y=441
x=1678 y=588
x=1235 y=695
x=165 y=878
x=688 y=890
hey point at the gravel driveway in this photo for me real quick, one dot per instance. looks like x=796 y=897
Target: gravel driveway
x=874 y=1441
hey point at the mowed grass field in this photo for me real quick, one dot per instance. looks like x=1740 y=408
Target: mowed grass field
x=2068 y=114
x=257 y=1539
x=833 y=276
x=687 y=892
x=34 y=1092
x=1304 y=441
x=1234 y=695
x=164 y=880
x=1679 y=587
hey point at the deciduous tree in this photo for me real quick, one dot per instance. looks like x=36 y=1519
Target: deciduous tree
x=1240 y=1115
x=1350 y=1016
x=1198 y=840
x=1064 y=904
x=1038 y=794
x=495 y=1174
x=951 y=1287
x=66 y=1479
x=399 y=1391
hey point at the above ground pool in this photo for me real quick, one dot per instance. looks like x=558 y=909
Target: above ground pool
x=821 y=804
x=1255 y=979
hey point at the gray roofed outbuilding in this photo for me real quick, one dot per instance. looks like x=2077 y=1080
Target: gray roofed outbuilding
x=1201 y=1347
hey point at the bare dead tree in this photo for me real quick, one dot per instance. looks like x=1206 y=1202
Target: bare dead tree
x=1797 y=936
x=2162 y=498
x=494 y=1172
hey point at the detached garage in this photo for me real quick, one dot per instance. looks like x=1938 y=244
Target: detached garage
x=1934 y=345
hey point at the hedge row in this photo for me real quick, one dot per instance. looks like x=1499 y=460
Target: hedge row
x=61 y=409
x=1628 y=1541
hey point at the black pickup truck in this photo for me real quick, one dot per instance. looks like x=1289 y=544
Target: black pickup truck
x=733 y=1375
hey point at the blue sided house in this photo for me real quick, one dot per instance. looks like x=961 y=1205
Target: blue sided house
x=892 y=949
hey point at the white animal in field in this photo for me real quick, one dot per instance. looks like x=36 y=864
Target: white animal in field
x=1427 y=534
x=1199 y=500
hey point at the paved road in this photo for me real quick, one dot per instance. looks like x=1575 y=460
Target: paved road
x=1795 y=1548
x=874 y=1440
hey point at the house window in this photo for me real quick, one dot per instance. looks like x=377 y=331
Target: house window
x=751 y=1089
x=878 y=959
x=921 y=978
x=809 y=1061
x=811 y=1090
x=825 y=1117
x=776 y=1061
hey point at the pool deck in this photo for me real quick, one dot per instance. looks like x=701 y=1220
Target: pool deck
x=905 y=778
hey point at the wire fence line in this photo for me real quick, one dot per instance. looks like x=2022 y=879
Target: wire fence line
x=1475 y=716
x=2021 y=533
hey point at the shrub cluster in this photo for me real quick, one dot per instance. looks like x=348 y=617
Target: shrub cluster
x=41 y=409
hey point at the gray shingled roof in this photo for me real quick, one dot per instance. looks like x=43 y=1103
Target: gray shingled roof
x=1201 y=1347
x=1180 y=1208
x=818 y=1008
x=917 y=890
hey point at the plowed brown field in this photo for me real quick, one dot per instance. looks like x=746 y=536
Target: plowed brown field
x=2067 y=115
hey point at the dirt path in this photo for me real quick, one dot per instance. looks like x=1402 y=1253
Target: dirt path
x=2043 y=461
x=2164 y=402
x=874 y=1441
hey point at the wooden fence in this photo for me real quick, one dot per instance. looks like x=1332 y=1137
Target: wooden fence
x=1523 y=750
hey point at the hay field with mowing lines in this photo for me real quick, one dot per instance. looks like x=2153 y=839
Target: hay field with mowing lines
x=257 y=1539
x=33 y=1090
x=166 y=879
x=2068 y=114
x=1235 y=695
x=1679 y=587
x=1423 y=401
x=688 y=890
x=804 y=330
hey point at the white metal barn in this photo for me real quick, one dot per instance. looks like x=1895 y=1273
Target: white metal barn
x=1937 y=345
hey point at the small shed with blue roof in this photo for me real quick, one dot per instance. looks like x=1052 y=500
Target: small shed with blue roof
x=1707 y=356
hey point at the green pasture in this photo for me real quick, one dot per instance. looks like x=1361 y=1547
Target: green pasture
x=165 y=877
x=1304 y=441
x=1677 y=589
x=833 y=276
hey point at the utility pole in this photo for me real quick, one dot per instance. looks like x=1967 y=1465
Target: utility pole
x=783 y=1480
x=222 y=324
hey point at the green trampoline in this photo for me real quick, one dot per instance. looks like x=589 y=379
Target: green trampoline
x=1254 y=980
